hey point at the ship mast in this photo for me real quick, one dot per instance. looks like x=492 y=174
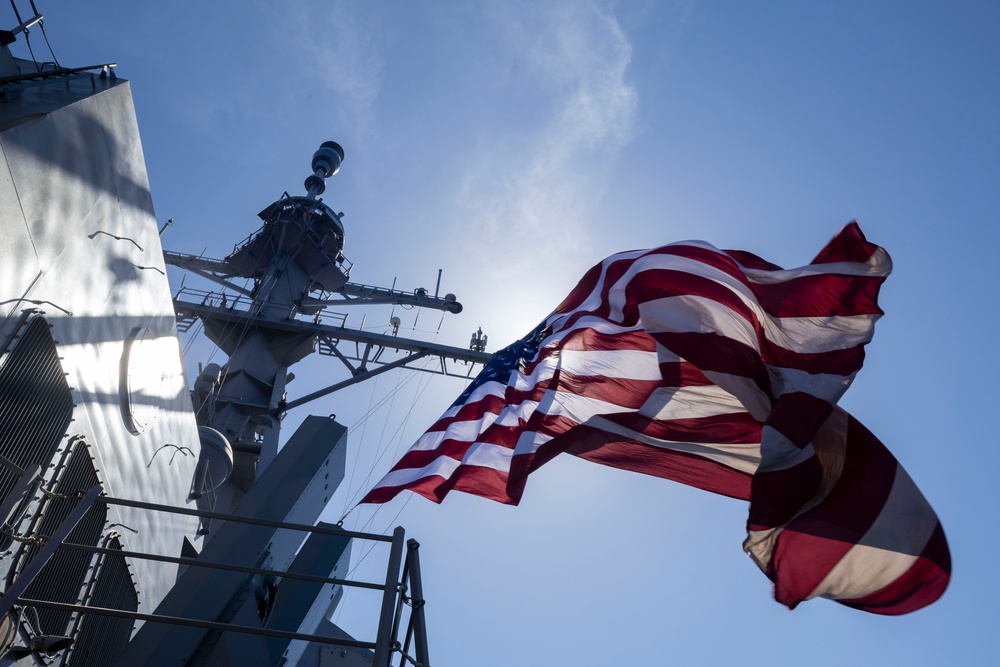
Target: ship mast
x=297 y=269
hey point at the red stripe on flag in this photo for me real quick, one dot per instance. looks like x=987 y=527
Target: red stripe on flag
x=752 y=261
x=622 y=392
x=850 y=245
x=821 y=295
x=590 y=340
x=800 y=562
x=489 y=404
x=711 y=352
x=798 y=416
x=669 y=283
x=606 y=449
x=777 y=495
x=737 y=428
x=485 y=482
x=683 y=374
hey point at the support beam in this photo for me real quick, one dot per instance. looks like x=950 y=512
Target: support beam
x=417 y=598
x=238 y=518
x=353 y=293
x=221 y=281
x=24 y=579
x=242 y=320
x=209 y=269
x=197 y=562
x=340 y=355
x=383 y=650
x=361 y=377
x=20 y=490
x=189 y=262
x=193 y=623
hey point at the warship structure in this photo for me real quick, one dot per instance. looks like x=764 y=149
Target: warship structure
x=148 y=520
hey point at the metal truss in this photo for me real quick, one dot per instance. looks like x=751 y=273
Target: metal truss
x=365 y=354
x=351 y=294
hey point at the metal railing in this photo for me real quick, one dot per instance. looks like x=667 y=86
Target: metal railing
x=399 y=590
x=243 y=303
x=43 y=76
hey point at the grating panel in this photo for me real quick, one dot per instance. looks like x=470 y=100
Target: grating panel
x=63 y=577
x=101 y=639
x=36 y=404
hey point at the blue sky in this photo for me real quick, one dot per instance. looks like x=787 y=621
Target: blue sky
x=513 y=145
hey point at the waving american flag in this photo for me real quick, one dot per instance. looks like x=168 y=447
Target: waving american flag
x=722 y=371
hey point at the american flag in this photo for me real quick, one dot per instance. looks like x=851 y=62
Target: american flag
x=722 y=371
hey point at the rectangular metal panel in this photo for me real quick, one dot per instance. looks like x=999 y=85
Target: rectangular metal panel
x=101 y=639
x=301 y=605
x=74 y=173
x=294 y=488
x=65 y=576
x=36 y=405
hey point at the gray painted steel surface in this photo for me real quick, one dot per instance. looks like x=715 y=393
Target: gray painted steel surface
x=78 y=241
x=297 y=604
x=294 y=488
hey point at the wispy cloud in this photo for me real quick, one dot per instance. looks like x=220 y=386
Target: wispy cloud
x=542 y=181
x=338 y=53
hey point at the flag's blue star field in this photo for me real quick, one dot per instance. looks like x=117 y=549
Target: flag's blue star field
x=503 y=362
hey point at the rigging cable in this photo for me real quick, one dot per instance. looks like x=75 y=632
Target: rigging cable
x=397 y=435
x=380 y=506
x=398 y=431
x=192 y=336
x=406 y=418
x=382 y=401
x=27 y=40
x=41 y=24
x=409 y=497
x=361 y=441
x=17 y=14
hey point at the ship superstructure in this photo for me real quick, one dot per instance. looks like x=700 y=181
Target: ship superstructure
x=146 y=522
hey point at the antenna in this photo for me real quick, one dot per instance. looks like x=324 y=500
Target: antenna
x=325 y=163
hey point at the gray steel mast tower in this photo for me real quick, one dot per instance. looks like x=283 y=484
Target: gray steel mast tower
x=298 y=269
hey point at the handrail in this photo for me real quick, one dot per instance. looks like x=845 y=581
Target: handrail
x=52 y=73
x=394 y=596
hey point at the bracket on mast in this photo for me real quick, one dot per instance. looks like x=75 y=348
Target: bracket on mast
x=360 y=377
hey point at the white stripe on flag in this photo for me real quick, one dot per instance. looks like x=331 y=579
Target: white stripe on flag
x=667 y=403
x=889 y=548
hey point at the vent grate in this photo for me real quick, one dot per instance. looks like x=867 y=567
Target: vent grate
x=36 y=405
x=102 y=639
x=63 y=577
